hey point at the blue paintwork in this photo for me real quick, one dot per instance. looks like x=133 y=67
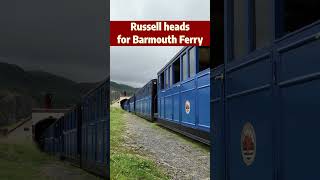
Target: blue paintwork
x=276 y=90
x=95 y=134
x=82 y=134
x=217 y=130
x=143 y=101
x=49 y=139
x=195 y=89
x=126 y=105
x=70 y=135
x=132 y=104
x=298 y=80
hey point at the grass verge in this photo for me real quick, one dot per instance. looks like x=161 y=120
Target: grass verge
x=20 y=161
x=124 y=162
x=26 y=162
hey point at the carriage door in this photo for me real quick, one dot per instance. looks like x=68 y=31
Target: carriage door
x=298 y=66
x=249 y=116
x=249 y=93
x=217 y=124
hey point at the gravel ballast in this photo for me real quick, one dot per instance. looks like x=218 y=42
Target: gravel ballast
x=179 y=157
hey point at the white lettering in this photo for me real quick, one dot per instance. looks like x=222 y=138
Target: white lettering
x=190 y=40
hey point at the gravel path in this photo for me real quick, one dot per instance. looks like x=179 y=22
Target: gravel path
x=181 y=159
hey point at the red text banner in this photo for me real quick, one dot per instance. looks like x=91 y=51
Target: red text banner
x=160 y=33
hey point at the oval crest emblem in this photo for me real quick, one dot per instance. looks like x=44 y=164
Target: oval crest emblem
x=248 y=144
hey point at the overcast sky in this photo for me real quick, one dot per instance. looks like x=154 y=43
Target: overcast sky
x=137 y=65
x=64 y=37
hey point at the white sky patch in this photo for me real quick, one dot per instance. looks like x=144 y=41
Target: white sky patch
x=136 y=66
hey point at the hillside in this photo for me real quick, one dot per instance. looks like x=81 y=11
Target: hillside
x=117 y=90
x=37 y=83
x=122 y=87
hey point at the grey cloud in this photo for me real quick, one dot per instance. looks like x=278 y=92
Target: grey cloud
x=137 y=65
x=67 y=38
x=160 y=10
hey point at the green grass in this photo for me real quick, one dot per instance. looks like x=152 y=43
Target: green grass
x=124 y=162
x=20 y=161
x=12 y=124
x=26 y=162
x=116 y=128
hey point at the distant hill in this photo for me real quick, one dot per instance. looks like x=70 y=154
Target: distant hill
x=36 y=83
x=117 y=90
x=122 y=87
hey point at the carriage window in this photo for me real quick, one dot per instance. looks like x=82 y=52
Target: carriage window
x=298 y=14
x=76 y=119
x=161 y=80
x=192 y=61
x=204 y=58
x=185 y=67
x=170 y=76
x=262 y=23
x=239 y=29
x=217 y=37
x=164 y=79
x=150 y=88
x=176 y=71
x=73 y=120
x=167 y=78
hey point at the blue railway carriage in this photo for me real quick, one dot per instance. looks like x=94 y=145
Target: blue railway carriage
x=126 y=105
x=82 y=134
x=53 y=139
x=72 y=120
x=266 y=118
x=184 y=93
x=44 y=133
x=49 y=140
x=146 y=104
x=59 y=137
x=132 y=104
x=95 y=131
